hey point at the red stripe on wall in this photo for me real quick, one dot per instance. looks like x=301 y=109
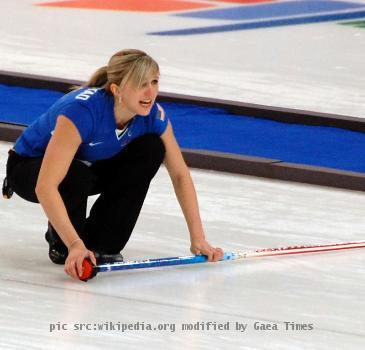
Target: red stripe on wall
x=245 y=1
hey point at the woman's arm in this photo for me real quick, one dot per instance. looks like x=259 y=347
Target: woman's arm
x=56 y=162
x=186 y=195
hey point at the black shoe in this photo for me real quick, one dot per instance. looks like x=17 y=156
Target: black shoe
x=7 y=190
x=58 y=252
x=102 y=258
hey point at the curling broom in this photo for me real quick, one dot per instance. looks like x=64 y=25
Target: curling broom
x=90 y=271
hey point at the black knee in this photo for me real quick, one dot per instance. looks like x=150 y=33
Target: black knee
x=142 y=157
x=149 y=146
x=152 y=153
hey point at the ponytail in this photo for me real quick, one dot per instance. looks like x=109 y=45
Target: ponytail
x=99 y=78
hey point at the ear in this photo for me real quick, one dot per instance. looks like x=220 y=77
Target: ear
x=114 y=88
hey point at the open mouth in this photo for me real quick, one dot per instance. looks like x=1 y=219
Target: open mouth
x=145 y=103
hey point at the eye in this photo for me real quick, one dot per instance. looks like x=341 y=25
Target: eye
x=154 y=81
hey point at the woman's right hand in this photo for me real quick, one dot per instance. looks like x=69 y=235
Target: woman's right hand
x=76 y=255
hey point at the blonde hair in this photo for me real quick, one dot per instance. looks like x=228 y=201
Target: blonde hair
x=130 y=64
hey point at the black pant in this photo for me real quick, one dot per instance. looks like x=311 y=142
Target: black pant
x=122 y=182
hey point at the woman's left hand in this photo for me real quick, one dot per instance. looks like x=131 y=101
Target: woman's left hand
x=202 y=247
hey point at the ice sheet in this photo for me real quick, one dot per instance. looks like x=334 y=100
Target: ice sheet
x=316 y=67
x=324 y=291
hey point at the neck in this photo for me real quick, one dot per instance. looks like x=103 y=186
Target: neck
x=122 y=115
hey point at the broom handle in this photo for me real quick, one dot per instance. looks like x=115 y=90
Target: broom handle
x=237 y=255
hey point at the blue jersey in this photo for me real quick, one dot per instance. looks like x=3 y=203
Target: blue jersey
x=92 y=112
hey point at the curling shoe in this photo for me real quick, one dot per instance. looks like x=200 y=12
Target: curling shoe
x=58 y=252
x=103 y=258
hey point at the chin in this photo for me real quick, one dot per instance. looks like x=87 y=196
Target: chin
x=144 y=112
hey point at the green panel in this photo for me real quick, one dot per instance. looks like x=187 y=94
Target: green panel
x=357 y=24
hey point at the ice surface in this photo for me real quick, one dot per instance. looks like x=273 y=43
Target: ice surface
x=324 y=290
x=317 y=67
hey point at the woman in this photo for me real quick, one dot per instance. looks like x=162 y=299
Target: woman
x=108 y=137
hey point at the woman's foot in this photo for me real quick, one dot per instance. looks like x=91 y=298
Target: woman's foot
x=103 y=258
x=58 y=252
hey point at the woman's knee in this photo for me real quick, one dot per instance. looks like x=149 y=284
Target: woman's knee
x=150 y=154
x=149 y=146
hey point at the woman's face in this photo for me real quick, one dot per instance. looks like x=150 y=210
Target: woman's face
x=139 y=100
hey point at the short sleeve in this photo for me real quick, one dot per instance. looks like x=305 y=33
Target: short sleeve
x=160 y=120
x=82 y=118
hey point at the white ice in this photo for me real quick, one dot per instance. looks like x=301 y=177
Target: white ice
x=317 y=67
x=325 y=290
